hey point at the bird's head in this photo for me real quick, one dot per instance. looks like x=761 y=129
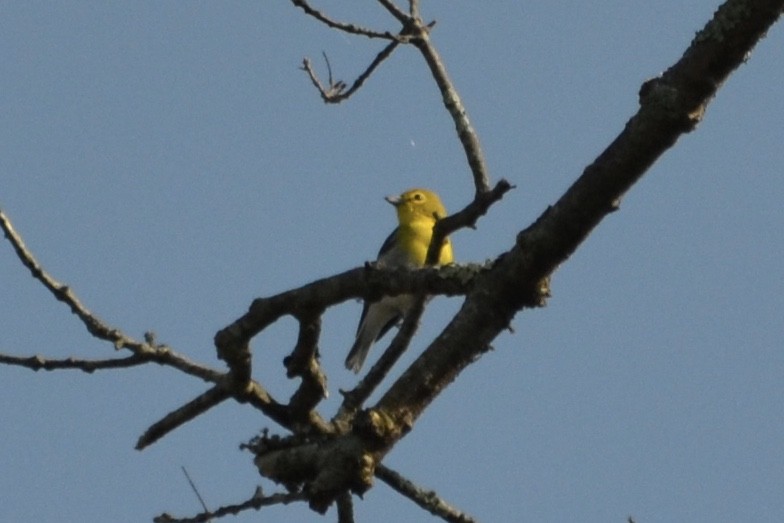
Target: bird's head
x=418 y=204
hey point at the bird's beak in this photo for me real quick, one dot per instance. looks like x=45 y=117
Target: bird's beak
x=394 y=200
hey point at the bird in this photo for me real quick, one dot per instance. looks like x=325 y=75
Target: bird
x=418 y=210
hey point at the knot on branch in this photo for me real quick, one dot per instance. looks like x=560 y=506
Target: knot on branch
x=321 y=468
x=235 y=351
x=379 y=428
x=668 y=102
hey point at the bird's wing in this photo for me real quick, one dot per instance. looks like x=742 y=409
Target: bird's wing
x=388 y=244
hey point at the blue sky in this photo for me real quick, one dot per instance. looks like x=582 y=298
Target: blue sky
x=170 y=162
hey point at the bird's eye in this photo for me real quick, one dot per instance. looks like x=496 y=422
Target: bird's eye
x=418 y=197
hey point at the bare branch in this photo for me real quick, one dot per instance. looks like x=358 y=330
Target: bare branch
x=251 y=392
x=427 y=499
x=342 y=26
x=195 y=490
x=303 y=363
x=148 y=350
x=395 y=11
x=413 y=9
x=37 y=363
x=369 y=282
x=669 y=107
x=336 y=91
x=182 y=415
x=345 y=508
x=60 y=291
x=454 y=105
x=256 y=502
x=466 y=217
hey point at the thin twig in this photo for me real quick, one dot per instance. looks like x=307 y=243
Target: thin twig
x=195 y=490
x=149 y=351
x=426 y=499
x=336 y=92
x=342 y=26
x=256 y=502
x=60 y=291
x=454 y=105
x=202 y=403
x=395 y=11
x=37 y=363
x=466 y=217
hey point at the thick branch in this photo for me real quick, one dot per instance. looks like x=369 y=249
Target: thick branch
x=671 y=106
x=369 y=283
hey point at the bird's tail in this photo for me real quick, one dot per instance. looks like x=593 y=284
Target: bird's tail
x=358 y=353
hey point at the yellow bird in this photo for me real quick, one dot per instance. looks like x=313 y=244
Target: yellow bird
x=417 y=213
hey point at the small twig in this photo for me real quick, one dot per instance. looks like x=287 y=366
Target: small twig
x=329 y=68
x=342 y=26
x=195 y=490
x=466 y=217
x=336 y=92
x=202 y=403
x=256 y=502
x=60 y=291
x=149 y=351
x=37 y=363
x=395 y=11
x=426 y=499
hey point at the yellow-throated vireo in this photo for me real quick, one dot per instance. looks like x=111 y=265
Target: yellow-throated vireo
x=417 y=213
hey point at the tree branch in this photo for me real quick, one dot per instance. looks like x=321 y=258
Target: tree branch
x=342 y=26
x=369 y=283
x=426 y=499
x=454 y=105
x=395 y=11
x=345 y=508
x=199 y=405
x=256 y=502
x=466 y=217
x=37 y=363
x=60 y=291
x=336 y=92
x=303 y=363
x=148 y=350
x=670 y=106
